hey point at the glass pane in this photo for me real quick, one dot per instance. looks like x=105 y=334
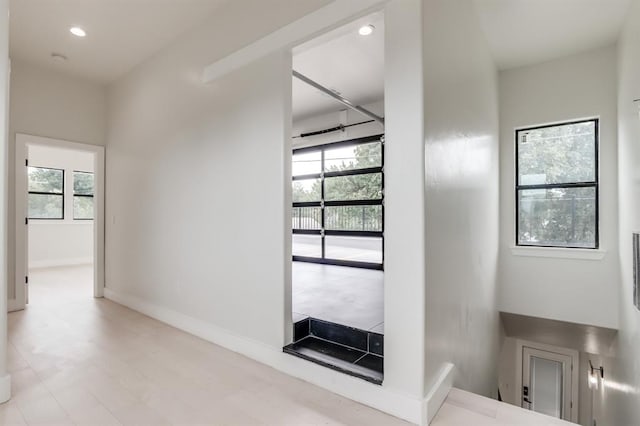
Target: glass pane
x=307 y=245
x=357 y=249
x=82 y=183
x=83 y=207
x=307 y=218
x=354 y=218
x=546 y=385
x=42 y=206
x=46 y=180
x=353 y=157
x=306 y=163
x=558 y=154
x=357 y=187
x=564 y=217
x=306 y=190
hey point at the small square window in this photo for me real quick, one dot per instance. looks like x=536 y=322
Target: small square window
x=46 y=193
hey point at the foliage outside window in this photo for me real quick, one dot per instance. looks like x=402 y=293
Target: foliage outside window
x=83 y=191
x=557 y=185
x=46 y=193
x=338 y=203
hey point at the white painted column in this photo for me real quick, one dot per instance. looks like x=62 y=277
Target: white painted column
x=5 y=379
x=404 y=274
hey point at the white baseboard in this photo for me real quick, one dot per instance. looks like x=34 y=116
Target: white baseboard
x=52 y=263
x=438 y=392
x=379 y=397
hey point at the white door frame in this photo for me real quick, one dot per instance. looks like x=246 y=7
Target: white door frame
x=23 y=141
x=575 y=359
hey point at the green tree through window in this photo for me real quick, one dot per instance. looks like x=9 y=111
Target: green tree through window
x=341 y=186
x=557 y=185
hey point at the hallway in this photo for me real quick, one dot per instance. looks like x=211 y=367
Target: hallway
x=78 y=360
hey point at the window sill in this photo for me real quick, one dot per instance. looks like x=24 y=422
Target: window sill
x=39 y=222
x=559 y=252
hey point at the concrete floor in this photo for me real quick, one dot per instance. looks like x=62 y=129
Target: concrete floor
x=349 y=296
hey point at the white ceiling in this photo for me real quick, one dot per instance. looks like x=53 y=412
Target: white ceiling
x=524 y=32
x=120 y=33
x=344 y=61
x=123 y=33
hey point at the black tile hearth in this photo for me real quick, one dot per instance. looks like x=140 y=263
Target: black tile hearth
x=345 y=349
x=376 y=344
x=301 y=329
x=337 y=333
x=336 y=357
x=370 y=361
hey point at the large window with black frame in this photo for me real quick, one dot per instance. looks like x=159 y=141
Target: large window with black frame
x=338 y=203
x=557 y=185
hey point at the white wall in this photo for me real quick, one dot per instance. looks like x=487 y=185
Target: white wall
x=461 y=129
x=549 y=287
x=68 y=241
x=50 y=104
x=622 y=380
x=5 y=379
x=181 y=153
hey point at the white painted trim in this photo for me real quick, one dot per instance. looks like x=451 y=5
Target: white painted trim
x=5 y=388
x=48 y=222
x=384 y=399
x=575 y=379
x=559 y=253
x=74 y=261
x=438 y=393
x=333 y=15
x=21 y=238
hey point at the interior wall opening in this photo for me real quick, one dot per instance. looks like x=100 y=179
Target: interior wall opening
x=58 y=222
x=60 y=185
x=338 y=199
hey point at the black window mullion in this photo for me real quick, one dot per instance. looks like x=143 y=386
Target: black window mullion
x=306 y=231
x=344 y=203
x=353 y=172
x=322 y=211
x=345 y=233
x=307 y=204
x=558 y=185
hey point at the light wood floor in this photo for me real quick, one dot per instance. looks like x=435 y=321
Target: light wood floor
x=78 y=360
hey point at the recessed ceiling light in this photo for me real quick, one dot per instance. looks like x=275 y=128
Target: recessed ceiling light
x=77 y=31
x=366 y=30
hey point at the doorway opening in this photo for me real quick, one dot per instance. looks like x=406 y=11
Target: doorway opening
x=59 y=224
x=338 y=199
x=549 y=381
